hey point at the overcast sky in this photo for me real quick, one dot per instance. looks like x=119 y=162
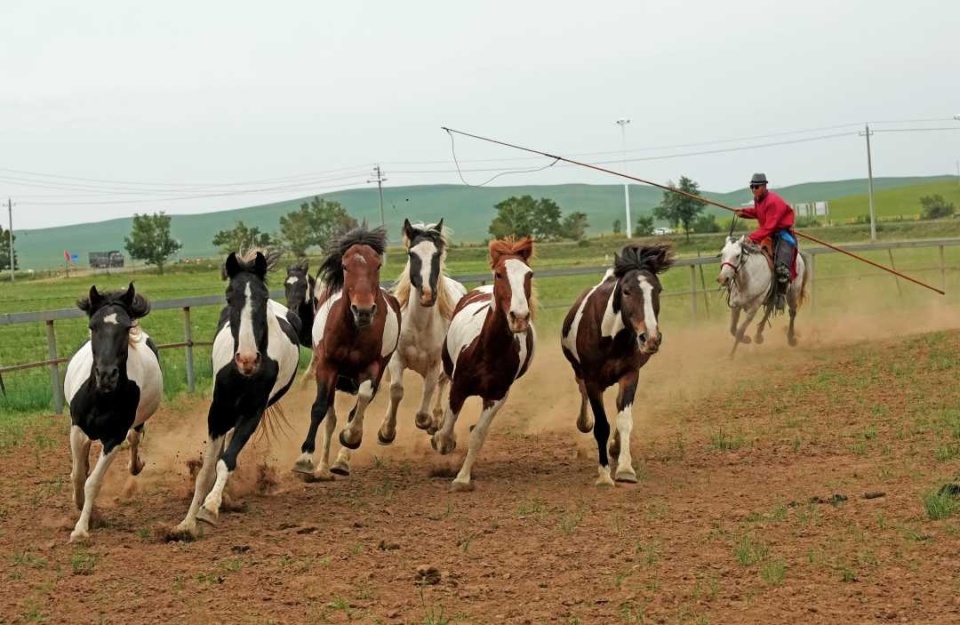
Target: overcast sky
x=113 y=107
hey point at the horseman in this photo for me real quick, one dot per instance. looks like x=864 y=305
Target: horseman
x=774 y=232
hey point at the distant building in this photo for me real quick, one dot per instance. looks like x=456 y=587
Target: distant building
x=106 y=260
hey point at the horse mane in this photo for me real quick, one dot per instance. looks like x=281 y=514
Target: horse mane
x=330 y=273
x=401 y=288
x=509 y=246
x=247 y=258
x=655 y=259
x=138 y=308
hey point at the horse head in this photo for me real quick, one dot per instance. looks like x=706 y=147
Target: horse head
x=299 y=285
x=731 y=257
x=426 y=249
x=637 y=294
x=247 y=296
x=353 y=265
x=112 y=315
x=513 y=280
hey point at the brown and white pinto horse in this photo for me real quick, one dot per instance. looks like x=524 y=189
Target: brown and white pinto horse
x=611 y=331
x=355 y=333
x=489 y=345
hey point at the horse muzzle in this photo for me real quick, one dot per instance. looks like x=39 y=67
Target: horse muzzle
x=428 y=298
x=363 y=317
x=650 y=345
x=106 y=379
x=247 y=364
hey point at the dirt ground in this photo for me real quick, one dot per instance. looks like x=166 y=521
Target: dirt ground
x=785 y=486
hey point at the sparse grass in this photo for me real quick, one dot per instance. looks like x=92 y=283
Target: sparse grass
x=940 y=505
x=569 y=520
x=83 y=562
x=749 y=551
x=724 y=441
x=773 y=571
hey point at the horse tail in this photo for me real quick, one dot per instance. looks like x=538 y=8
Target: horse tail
x=803 y=283
x=273 y=423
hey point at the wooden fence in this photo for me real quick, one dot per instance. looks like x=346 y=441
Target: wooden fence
x=697 y=290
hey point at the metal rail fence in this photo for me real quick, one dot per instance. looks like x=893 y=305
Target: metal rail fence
x=49 y=317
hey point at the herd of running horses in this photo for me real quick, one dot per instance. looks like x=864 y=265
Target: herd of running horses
x=478 y=342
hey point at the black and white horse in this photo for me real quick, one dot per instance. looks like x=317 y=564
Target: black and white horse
x=255 y=356
x=113 y=385
x=299 y=290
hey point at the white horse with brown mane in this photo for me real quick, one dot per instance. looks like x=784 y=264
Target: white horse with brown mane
x=746 y=274
x=427 y=299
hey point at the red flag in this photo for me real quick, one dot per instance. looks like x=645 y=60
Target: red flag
x=66 y=256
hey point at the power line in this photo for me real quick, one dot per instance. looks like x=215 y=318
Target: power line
x=379 y=179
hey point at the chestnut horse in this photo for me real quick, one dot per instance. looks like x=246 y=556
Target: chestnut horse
x=611 y=331
x=355 y=333
x=489 y=346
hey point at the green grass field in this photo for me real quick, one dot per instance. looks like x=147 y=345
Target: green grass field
x=838 y=278
x=890 y=204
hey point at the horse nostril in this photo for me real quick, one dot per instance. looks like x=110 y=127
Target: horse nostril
x=355 y=309
x=373 y=310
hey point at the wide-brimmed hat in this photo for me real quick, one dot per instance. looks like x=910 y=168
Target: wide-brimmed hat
x=759 y=179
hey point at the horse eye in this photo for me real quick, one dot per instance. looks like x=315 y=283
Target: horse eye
x=498 y=276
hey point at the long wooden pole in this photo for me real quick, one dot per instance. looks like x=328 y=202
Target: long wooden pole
x=691 y=195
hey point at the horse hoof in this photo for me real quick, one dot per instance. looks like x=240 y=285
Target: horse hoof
x=79 y=536
x=304 y=466
x=323 y=475
x=627 y=476
x=461 y=487
x=340 y=468
x=604 y=482
x=348 y=444
x=746 y=340
x=423 y=421
x=584 y=426
x=210 y=518
x=386 y=440
x=433 y=429
x=792 y=341
x=759 y=339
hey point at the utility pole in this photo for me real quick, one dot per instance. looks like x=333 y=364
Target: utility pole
x=379 y=179
x=873 y=217
x=622 y=122
x=10 y=215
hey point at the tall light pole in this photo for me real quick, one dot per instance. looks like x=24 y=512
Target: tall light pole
x=10 y=215
x=873 y=217
x=622 y=122
x=379 y=179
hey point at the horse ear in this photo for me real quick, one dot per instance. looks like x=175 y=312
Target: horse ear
x=525 y=248
x=127 y=297
x=232 y=266
x=92 y=302
x=439 y=226
x=408 y=232
x=260 y=266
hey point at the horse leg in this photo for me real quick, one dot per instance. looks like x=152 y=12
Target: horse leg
x=91 y=489
x=584 y=422
x=734 y=319
x=326 y=390
x=352 y=435
x=758 y=339
x=478 y=434
x=792 y=305
x=628 y=391
x=227 y=464
x=203 y=484
x=80 y=450
x=601 y=432
x=133 y=437
x=388 y=428
x=424 y=420
x=323 y=472
x=742 y=330
x=442 y=382
x=444 y=439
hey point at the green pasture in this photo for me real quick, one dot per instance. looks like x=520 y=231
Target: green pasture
x=891 y=204
x=843 y=285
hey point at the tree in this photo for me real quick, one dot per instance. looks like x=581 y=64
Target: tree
x=680 y=209
x=935 y=207
x=705 y=224
x=5 y=250
x=574 y=226
x=525 y=216
x=617 y=226
x=150 y=239
x=644 y=226
x=241 y=237
x=314 y=224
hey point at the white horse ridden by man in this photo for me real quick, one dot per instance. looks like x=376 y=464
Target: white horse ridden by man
x=746 y=274
x=427 y=298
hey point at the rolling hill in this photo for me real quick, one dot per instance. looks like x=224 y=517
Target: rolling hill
x=467 y=210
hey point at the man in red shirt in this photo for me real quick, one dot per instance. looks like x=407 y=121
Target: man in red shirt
x=775 y=222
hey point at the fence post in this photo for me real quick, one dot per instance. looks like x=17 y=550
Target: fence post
x=54 y=369
x=188 y=339
x=943 y=271
x=693 y=292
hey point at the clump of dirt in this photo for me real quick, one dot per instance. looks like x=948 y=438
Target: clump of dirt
x=193 y=467
x=267 y=479
x=442 y=472
x=170 y=534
